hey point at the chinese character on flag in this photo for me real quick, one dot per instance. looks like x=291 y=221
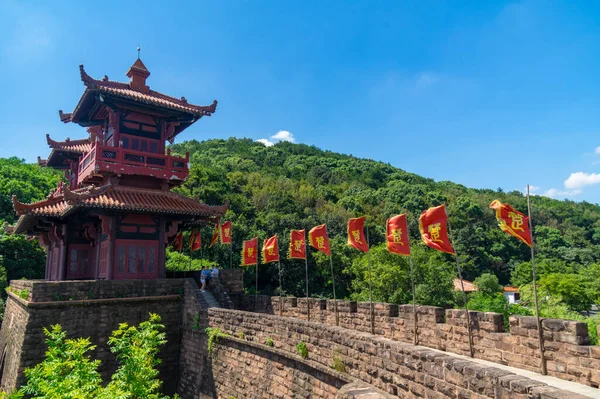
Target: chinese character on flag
x=356 y=234
x=397 y=235
x=270 y=250
x=197 y=243
x=434 y=229
x=178 y=242
x=215 y=237
x=317 y=236
x=512 y=221
x=298 y=244
x=226 y=233
x=250 y=252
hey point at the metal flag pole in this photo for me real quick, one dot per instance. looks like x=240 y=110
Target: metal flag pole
x=462 y=286
x=306 y=263
x=370 y=285
x=280 y=287
x=231 y=255
x=256 y=289
x=535 y=295
x=412 y=282
x=337 y=318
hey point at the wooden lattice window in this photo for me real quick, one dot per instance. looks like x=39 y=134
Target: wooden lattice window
x=136 y=259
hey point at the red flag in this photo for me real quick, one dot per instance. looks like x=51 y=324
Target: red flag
x=197 y=241
x=298 y=244
x=356 y=234
x=226 y=233
x=215 y=236
x=178 y=242
x=317 y=236
x=512 y=221
x=434 y=229
x=397 y=235
x=250 y=252
x=270 y=250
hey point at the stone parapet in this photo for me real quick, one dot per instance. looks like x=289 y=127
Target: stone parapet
x=567 y=351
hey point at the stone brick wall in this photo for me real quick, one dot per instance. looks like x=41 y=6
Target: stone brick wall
x=400 y=369
x=47 y=291
x=22 y=339
x=567 y=351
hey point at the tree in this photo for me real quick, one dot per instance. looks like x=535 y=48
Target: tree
x=488 y=284
x=571 y=288
x=68 y=372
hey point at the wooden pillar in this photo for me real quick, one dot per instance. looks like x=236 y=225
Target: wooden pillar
x=62 y=260
x=162 y=249
x=110 y=267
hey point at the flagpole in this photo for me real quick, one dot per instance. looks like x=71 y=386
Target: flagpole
x=280 y=287
x=337 y=319
x=535 y=295
x=462 y=286
x=306 y=263
x=370 y=284
x=256 y=289
x=231 y=255
x=412 y=282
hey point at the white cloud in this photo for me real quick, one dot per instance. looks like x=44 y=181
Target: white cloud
x=555 y=193
x=581 y=179
x=282 y=135
x=532 y=189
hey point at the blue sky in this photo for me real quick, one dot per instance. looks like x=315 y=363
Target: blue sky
x=486 y=94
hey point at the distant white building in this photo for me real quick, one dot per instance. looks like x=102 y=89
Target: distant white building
x=511 y=294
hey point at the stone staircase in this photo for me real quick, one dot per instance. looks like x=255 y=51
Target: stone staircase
x=208 y=299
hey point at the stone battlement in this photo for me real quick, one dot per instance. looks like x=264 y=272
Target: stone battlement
x=567 y=351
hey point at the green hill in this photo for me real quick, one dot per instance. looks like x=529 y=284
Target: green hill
x=293 y=186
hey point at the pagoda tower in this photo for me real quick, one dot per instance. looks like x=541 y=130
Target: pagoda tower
x=114 y=215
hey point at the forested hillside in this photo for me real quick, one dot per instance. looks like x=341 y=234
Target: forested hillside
x=293 y=186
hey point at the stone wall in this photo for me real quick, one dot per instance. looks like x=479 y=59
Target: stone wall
x=47 y=291
x=22 y=339
x=400 y=369
x=567 y=351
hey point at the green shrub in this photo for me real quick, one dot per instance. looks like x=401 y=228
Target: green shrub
x=196 y=322
x=24 y=294
x=302 y=349
x=214 y=334
x=269 y=342
x=241 y=335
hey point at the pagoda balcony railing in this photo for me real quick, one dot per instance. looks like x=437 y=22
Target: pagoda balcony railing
x=120 y=160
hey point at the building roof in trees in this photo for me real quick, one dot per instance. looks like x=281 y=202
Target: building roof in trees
x=469 y=286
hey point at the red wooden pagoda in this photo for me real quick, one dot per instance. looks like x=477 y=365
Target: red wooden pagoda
x=116 y=214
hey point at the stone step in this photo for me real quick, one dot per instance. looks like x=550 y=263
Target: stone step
x=210 y=299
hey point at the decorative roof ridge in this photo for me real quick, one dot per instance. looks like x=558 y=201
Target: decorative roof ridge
x=8 y=229
x=77 y=196
x=205 y=110
x=41 y=162
x=65 y=118
x=21 y=208
x=63 y=145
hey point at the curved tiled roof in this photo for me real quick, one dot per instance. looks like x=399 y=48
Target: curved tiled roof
x=78 y=146
x=119 y=198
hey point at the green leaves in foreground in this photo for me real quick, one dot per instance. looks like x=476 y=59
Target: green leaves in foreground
x=68 y=372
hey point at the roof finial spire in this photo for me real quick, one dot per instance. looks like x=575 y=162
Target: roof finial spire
x=139 y=49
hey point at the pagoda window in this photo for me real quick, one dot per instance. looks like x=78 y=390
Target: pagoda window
x=139 y=144
x=132 y=258
x=79 y=261
x=121 y=258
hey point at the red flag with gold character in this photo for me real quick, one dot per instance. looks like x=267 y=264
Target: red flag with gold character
x=226 y=233
x=197 y=241
x=317 y=236
x=512 y=221
x=270 y=250
x=397 y=235
x=250 y=252
x=178 y=242
x=298 y=244
x=356 y=234
x=215 y=237
x=434 y=229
